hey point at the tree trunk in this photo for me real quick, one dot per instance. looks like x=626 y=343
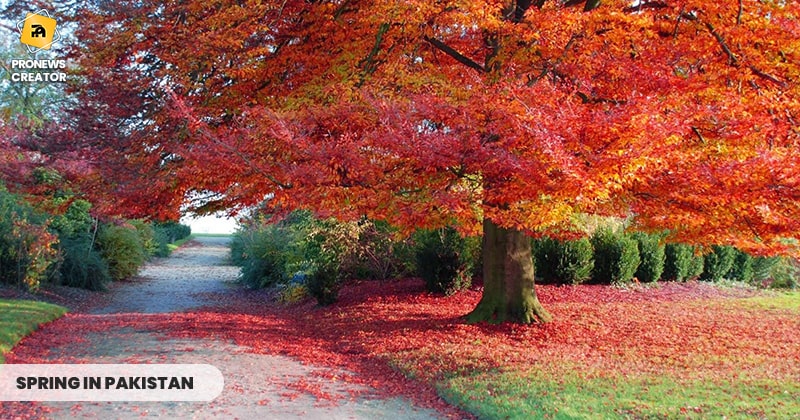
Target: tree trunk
x=508 y=293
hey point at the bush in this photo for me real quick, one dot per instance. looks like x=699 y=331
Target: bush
x=569 y=261
x=28 y=250
x=763 y=267
x=293 y=293
x=616 y=257
x=123 y=250
x=678 y=261
x=718 y=263
x=82 y=266
x=652 y=255
x=742 y=269
x=324 y=282
x=445 y=259
x=173 y=231
x=263 y=255
x=147 y=235
x=783 y=273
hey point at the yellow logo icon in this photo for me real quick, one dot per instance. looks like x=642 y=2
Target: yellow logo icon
x=38 y=31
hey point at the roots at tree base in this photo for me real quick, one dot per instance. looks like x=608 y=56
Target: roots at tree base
x=508 y=289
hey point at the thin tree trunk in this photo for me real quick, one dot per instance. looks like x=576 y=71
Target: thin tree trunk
x=508 y=290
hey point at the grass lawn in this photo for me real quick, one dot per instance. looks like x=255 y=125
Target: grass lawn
x=714 y=367
x=19 y=318
x=177 y=244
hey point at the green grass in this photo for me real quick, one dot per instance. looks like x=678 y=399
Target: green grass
x=517 y=395
x=568 y=389
x=789 y=301
x=19 y=318
x=177 y=244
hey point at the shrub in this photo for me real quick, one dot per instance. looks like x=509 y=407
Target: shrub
x=652 y=255
x=742 y=269
x=123 y=250
x=696 y=264
x=82 y=266
x=293 y=293
x=718 y=263
x=763 y=267
x=76 y=220
x=783 y=273
x=678 y=261
x=569 y=261
x=28 y=250
x=324 y=282
x=545 y=258
x=445 y=259
x=263 y=256
x=616 y=257
x=174 y=231
x=147 y=235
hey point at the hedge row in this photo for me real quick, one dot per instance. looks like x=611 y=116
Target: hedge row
x=73 y=248
x=611 y=257
x=319 y=254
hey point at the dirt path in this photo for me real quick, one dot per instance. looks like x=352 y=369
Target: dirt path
x=255 y=384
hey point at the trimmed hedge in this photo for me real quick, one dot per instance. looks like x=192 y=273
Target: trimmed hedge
x=616 y=257
x=445 y=259
x=652 y=255
x=563 y=262
x=718 y=263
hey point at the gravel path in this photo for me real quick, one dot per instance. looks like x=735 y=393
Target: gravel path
x=254 y=383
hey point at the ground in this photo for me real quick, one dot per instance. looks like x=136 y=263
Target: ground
x=131 y=324
x=665 y=350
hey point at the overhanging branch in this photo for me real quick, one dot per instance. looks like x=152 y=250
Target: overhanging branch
x=441 y=46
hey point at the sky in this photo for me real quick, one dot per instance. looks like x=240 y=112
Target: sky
x=210 y=224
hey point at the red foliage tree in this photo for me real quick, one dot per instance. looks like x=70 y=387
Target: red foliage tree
x=510 y=116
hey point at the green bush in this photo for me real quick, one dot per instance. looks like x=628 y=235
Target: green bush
x=742 y=269
x=147 y=235
x=784 y=273
x=616 y=257
x=678 y=261
x=545 y=258
x=82 y=266
x=75 y=221
x=324 y=282
x=445 y=259
x=652 y=255
x=123 y=250
x=28 y=249
x=174 y=231
x=763 y=267
x=263 y=255
x=718 y=263
x=563 y=262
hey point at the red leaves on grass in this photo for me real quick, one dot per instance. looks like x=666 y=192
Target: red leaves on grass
x=691 y=330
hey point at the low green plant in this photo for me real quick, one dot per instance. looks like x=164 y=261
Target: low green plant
x=81 y=265
x=264 y=256
x=678 y=261
x=292 y=293
x=616 y=257
x=742 y=269
x=652 y=255
x=718 y=263
x=123 y=250
x=563 y=262
x=445 y=259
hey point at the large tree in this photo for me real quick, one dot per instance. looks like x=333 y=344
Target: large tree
x=509 y=117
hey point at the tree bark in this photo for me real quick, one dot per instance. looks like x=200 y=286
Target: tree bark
x=508 y=290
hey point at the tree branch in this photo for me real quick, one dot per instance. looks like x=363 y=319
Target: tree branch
x=732 y=59
x=455 y=54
